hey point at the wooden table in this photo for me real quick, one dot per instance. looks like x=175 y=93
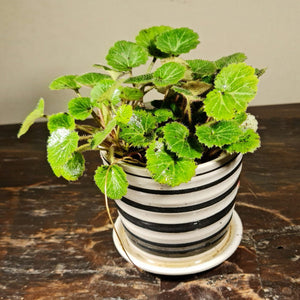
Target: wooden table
x=56 y=240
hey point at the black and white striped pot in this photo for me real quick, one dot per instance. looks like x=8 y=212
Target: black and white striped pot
x=183 y=221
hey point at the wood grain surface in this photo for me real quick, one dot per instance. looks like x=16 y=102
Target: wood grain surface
x=55 y=237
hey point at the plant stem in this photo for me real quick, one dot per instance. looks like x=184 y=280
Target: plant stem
x=85 y=137
x=85 y=128
x=83 y=148
x=188 y=111
x=98 y=118
x=77 y=92
x=112 y=222
x=151 y=65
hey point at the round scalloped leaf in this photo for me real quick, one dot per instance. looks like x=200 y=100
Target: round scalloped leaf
x=115 y=178
x=177 y=41
x=90 y=79
x=131 y=94
x=61 y=144
x=202 y=67
x=178 y=141
x=139 y=130
x=240 y=118
x=166 y=168
x=80 y=108
x=106 y=89
x=230 y=59
x=218 y=134
x=64 y=82
x=147 y=37
x=163 y=114
x=124 y=55
x=249 y=141
x=124 y=113
x=74 y=167
x=235 y=87
x=60 y=120
x=37 y=113
x=168 y=73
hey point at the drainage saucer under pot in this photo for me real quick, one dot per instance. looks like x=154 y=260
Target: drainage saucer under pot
x=182 y=265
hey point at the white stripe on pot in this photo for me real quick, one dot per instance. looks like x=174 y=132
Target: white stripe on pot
x=180 y=217
x=178 y=227
x=179 y=249
x=188 y=199
x=177 y=209
x=181 y=237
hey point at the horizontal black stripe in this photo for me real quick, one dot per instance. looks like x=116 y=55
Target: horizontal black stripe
x=177 y=245
x=183 y=252
x=178 y=209
x=185 y=191
x=176 y=228
x=221 y=166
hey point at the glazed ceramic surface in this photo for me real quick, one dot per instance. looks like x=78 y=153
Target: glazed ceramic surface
x=180 y=265
x=181 y=221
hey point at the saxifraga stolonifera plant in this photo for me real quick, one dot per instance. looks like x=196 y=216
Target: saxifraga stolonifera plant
x=201 y=111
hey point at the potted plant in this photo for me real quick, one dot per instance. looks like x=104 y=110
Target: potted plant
x=171 y=159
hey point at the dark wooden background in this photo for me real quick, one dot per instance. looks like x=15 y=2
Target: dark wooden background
x=55 y=238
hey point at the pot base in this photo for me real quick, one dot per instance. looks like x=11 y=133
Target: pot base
x=182 y=265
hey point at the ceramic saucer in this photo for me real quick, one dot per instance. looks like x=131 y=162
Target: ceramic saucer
x=182 y=265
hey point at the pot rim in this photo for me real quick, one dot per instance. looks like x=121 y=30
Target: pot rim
x=208 y=166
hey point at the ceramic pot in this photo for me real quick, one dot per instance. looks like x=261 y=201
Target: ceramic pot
x=192 y=220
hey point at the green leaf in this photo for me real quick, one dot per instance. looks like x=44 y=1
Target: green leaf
x=106 y=89
x=90 y=79
x=180 y=90
x=231 y=59
x=124 y=55
x=235 y=87
x=163 y=115
x=218 y=134
x=249 y=141
x=124 y=113
x=147 y=37
x=202 y=67
x=80 y=108
x=140 y=79
x=113 y=73
x=60 y=120
x=131 y=94
x=74 y=167
x=168 y=73
x=240 y=118
x=61 y=144
x=100 y=136
x=166 y=168
x=115 y=178
x=65 y=82
x=177 y=41
x=260 y=72
x=37 y=113
x=139 y=130
x=179 y=141
x=196 y=87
